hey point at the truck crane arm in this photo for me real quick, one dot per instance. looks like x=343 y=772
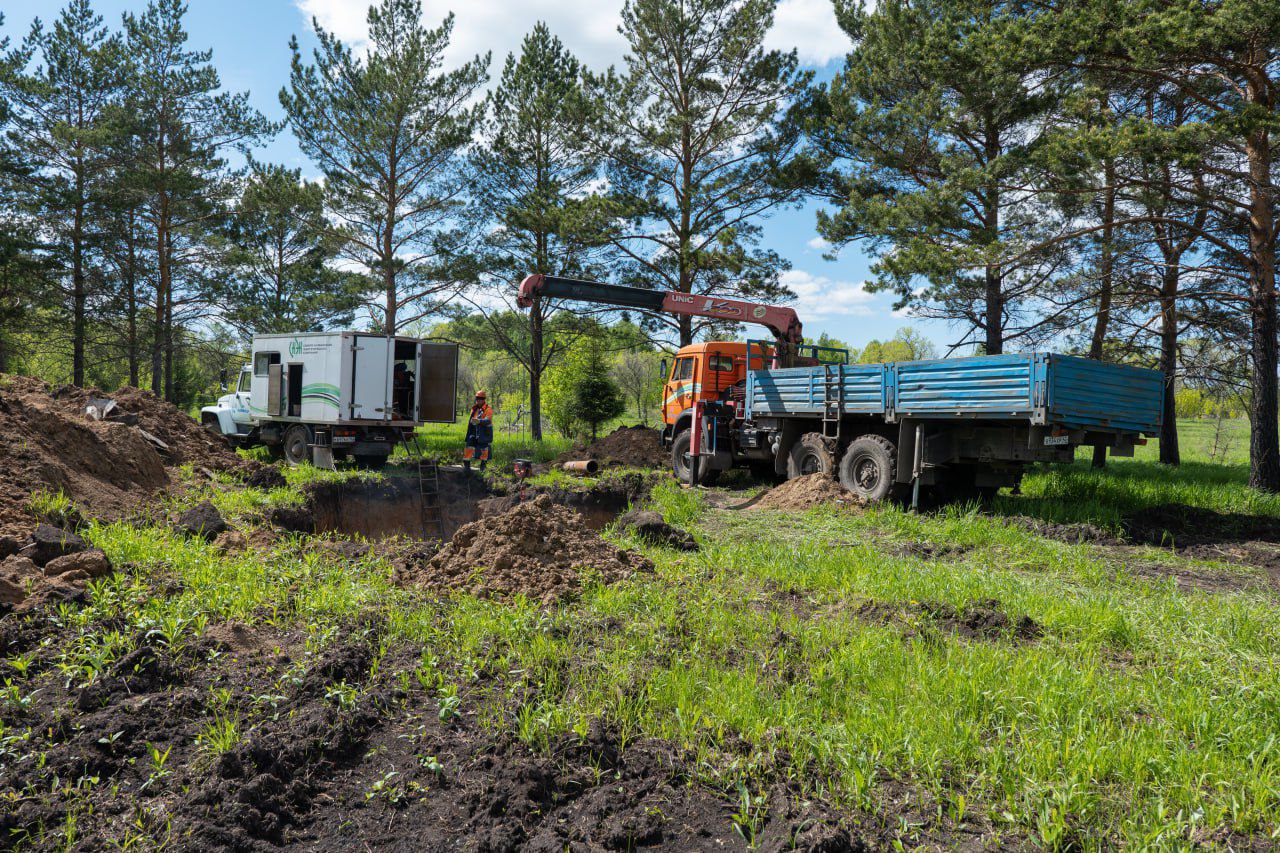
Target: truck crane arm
x=783 y=322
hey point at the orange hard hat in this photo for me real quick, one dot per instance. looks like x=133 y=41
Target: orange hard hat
x=480 y=395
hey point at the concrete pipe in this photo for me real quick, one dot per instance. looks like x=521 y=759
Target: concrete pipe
x=582 y=466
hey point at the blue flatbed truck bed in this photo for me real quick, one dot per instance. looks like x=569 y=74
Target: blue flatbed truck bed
x=961 y=426
x=1044 y=389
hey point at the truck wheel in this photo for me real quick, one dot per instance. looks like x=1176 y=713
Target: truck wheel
x=810 y=455
x=682 y=463
x=869 y=467
x=296 y=444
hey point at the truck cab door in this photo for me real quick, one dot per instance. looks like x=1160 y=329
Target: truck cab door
x=371 y=377
x=240 y=412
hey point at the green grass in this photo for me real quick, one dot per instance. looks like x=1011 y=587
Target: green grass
x=1144 y=716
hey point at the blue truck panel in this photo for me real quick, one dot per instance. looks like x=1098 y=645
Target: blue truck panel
x=803 y=389
x=992 y=386
x=1088 y=394
x=1040 y=388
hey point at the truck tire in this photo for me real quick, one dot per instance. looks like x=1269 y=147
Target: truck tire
x=868 y=468
x=296 y=444
x=681 y=464
x=210 y=422
x=810 y=455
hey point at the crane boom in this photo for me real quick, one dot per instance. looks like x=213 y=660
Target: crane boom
x=782 y=321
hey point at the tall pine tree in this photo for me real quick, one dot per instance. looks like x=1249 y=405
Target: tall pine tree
x=183 y=124
x=535 y=180
x=699 y=148
x=926 y=131
x=63 y=110
x=389 y=130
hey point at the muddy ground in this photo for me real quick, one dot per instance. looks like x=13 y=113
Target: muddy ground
x=389 y=767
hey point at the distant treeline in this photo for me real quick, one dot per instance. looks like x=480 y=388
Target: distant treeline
x=1092 y=175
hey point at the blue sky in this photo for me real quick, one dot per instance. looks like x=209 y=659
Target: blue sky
x=249 y=40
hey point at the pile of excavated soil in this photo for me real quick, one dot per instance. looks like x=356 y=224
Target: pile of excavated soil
x=538 y=549
x=625 y=447
x=804 y=492
x=108 y=468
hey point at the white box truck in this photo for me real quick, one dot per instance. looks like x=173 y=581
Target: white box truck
x=359 y=393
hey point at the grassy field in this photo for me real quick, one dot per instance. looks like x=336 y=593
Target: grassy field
x=816 y=655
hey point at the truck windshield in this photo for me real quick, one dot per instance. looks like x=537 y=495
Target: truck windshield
x=682 y=370
x=245 y=379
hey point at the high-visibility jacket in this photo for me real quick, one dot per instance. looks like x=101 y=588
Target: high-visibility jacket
x=480 y=425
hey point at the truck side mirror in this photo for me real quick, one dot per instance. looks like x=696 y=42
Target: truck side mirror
x=662 y=365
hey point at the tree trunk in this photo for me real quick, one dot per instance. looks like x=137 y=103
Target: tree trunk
x=1106 y=280
x=78 y=296
x=1169 y=453
x=162 y=284
x=535 y=369
x=993 y=284
x=1264 y=437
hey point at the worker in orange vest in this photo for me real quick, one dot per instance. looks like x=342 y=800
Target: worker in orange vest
x=479 y=433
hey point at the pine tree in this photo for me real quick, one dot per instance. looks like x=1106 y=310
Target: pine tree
x=927 y=131
x=596 y=398
x=699 y=148
x=63 y=109
x=1224 y=58
x=534 y=182
x=281 y=279
x=182 y=123
x=389 y=131
x=19 y=267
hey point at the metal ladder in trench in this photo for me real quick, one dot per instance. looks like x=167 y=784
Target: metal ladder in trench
x=428 y=488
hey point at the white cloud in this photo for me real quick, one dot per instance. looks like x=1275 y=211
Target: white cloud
x=818 y=297
x=589 y=28
x=819 y=244
x=810 y=27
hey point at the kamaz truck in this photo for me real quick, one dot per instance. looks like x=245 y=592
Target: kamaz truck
x=959 y=428
x=355 y=394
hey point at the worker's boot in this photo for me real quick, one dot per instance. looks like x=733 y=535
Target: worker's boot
x=483 y=462
x=466 y=464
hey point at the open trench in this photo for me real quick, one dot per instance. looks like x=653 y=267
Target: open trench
x=393 y=505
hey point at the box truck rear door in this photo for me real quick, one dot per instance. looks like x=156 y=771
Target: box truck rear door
x=371 y=377
x=437 y=382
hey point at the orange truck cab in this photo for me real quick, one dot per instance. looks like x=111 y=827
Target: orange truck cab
x=711 y=372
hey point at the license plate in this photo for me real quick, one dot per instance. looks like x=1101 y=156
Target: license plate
x=1056 y=440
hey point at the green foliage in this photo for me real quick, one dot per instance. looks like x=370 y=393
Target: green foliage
x=388 y=129
x=281 y=254
x=907 y=344
x=699 y=149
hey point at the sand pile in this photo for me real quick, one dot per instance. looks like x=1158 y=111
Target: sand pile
x=538 y=549
x=108 y=468
x=804 y=492
x=625 y=447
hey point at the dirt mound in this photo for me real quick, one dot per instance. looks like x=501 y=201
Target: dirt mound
x=625 y=447
x=108 y=468
x=650 y=527
x=804 y=492
x=538 y=549
x=1078 y=533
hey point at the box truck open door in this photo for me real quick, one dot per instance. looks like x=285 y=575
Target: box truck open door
x=437 y=382
x=371 y=377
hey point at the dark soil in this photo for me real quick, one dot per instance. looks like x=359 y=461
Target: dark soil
x=983 y=619
x=110 y=468
x=1072 y=534
x=538 y=549
x=337 y=759
x=625 y=447
x=805 y=492
x=1181 y=526
x=649 y=527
